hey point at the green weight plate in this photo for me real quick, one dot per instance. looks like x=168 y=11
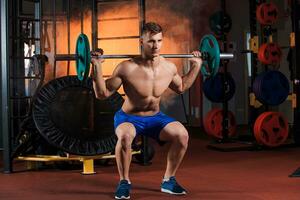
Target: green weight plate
x=83 y=57
x=210 y=46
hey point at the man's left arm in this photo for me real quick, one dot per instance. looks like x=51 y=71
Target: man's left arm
x=180 y=84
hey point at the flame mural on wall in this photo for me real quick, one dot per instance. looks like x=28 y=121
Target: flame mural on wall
x=177 y=18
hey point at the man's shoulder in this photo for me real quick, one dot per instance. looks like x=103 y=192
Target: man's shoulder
x=129 y=62
x=169 y=64
x=125 y=66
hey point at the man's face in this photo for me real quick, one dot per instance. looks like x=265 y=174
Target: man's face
x=151 y=44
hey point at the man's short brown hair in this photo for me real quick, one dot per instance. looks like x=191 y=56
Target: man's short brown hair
x=152 y=28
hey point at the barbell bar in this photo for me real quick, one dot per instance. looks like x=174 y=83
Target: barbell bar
x=208 y=47
x=64 y=57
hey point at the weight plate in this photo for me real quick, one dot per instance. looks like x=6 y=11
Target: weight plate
x=271 y=87
x=219 y=88
x=210 y=49
x=271 y=129
x=83 y=57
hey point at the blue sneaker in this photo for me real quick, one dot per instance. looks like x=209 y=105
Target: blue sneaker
x=172 y=187
x=123 y=190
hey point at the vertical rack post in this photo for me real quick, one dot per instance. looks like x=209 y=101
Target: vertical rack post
x=225 y=122
x=5 y=105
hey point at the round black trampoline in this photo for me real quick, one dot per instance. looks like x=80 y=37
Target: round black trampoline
x=68 y=116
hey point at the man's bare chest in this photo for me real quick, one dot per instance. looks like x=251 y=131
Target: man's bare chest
x=147 y=82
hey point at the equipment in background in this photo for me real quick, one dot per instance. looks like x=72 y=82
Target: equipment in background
x=28 y=139
x=30 y=142
x=271 y=87
x=267 y=13
x=220 y=23
x=140 y=156
x=270 y=54
x=271 y=129
x=213 y=123
x=219 y=88
x=69 y=117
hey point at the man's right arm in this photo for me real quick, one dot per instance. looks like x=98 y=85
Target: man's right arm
x=104 y=88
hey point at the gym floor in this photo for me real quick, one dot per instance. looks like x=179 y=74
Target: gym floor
x=207 y=174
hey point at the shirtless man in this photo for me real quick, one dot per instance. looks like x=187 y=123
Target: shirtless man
x=144 y=79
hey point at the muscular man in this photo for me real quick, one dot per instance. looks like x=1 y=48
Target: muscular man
x=144 y=79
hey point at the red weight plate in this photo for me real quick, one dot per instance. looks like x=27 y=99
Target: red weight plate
x=273 y=53
x=270 y=54
x=267 y=13
x=207 y=120
x=258 y=13
x=271 y=129
x=261 y=53
x=215 y=124
x=257 y=124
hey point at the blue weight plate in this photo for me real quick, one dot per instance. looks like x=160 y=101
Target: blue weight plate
x=271 y=87
x=216 y=91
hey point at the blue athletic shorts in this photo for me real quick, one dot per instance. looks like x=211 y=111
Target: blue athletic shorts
x=144 y=125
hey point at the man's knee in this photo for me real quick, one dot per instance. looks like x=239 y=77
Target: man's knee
x=125 y=135
x=182 y=137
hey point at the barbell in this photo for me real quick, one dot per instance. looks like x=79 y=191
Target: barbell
x=208 y=47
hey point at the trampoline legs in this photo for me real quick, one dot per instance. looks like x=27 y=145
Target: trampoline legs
x=88 y=167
